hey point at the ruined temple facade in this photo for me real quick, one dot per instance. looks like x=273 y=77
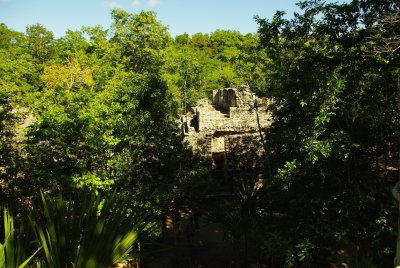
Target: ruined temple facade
x=232 y=120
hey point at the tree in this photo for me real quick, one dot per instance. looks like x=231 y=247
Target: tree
x=7 y=150
x=141 y=39
x=387 y=37
x=17 y=71
x=184 y=71
x=68 y=77
x=240 y=215
x=39 y=41
x=326 y=95
x=18 y=78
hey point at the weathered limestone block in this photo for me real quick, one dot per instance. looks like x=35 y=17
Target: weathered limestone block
x=233 y=112
x=218 y=144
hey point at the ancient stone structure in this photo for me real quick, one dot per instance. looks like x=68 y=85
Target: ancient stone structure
x=234 y=118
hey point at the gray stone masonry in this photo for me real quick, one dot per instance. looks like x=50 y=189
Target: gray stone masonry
x=233 y=112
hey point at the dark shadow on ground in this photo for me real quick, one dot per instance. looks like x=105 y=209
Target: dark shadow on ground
x=209 y=249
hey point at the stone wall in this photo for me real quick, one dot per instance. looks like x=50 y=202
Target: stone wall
x=233 y=113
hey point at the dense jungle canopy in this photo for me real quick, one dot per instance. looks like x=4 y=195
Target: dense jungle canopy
x=92 y=117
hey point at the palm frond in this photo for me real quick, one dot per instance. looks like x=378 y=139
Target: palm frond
x=97 y=233
x=12 y=252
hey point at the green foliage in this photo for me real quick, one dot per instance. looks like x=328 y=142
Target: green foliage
x=12 y=251
x=97 y=233
x=93 y=114
x=17 y=71
x=276 y=250
x=140 y=38
x=330 y=106
x=96 y=110
x=305 y=250
x=7 y=119
x=197 y=65
x=186 y=76
x=92 y=183
x=240 y=216
x=39 y=41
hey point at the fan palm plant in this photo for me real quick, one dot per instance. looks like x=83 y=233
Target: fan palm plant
x=97 y=233
x=240 y=215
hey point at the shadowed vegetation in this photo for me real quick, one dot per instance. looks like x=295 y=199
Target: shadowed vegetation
x=97 y=111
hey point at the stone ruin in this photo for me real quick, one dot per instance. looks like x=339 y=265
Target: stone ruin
x=215 y=130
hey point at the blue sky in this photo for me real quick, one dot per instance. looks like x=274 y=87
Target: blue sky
x=180 y=16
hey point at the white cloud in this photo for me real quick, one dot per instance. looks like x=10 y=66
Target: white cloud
x=112 y=4
x=136 y=3
x=153 y=3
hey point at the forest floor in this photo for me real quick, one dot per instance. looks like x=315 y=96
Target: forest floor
x=209 y=249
